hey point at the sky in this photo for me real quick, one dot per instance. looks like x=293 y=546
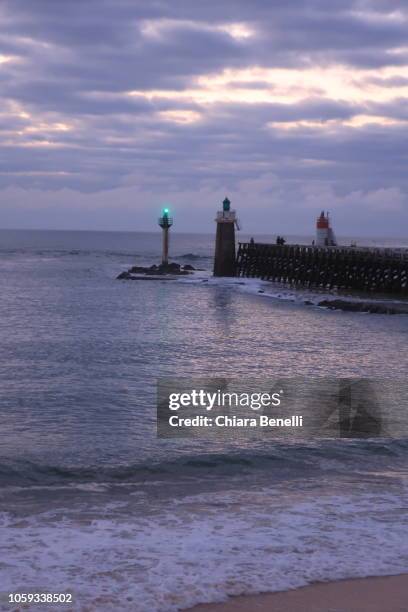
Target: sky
x=111 y=109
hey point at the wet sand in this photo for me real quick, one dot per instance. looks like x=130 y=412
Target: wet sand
x=384 y=594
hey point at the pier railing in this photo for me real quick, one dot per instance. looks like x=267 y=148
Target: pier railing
x=362 y=269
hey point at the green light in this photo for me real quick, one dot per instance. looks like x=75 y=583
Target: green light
x=166 y=211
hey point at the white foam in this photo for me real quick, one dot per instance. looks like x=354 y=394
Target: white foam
x=257 y=286
x=206 y=547
x=280 y=291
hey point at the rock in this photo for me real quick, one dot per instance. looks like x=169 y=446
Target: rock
x=188 y=267
x=261 y=291
x=371 y=307
x=154 y=271
x=170 y=267
x=308 y=303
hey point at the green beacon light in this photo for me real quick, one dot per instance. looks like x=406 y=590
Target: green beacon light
x=165 y=222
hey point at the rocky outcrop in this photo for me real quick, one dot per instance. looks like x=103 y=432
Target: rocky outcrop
x=153 y=272
x=366 y=306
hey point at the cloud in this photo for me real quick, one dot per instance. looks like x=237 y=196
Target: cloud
x=144 y=101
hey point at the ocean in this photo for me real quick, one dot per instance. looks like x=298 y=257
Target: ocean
x=94 y=504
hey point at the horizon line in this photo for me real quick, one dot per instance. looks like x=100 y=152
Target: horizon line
x=189 y=232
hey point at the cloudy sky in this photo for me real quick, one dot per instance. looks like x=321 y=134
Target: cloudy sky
x=111 y=108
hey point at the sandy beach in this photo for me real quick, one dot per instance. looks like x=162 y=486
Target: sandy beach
x=384 y=594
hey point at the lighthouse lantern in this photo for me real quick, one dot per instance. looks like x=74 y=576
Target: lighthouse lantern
x=324 y=232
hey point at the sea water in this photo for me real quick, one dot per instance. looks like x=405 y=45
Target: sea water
x=92 y=503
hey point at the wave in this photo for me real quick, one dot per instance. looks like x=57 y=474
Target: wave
x=192 y=256
x=206 y=547
x=337 y=455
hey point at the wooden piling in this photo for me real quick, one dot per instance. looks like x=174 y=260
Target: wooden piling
x=363 y=270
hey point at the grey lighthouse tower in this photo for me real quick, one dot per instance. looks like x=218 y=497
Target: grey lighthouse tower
x=165 y=223
x=224 y=261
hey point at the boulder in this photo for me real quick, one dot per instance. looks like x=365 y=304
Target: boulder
x=170 y=267
x=372 y=307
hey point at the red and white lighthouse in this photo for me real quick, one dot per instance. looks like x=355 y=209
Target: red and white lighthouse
x=324 y=232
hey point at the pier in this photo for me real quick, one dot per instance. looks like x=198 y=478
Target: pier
x=363 y=270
